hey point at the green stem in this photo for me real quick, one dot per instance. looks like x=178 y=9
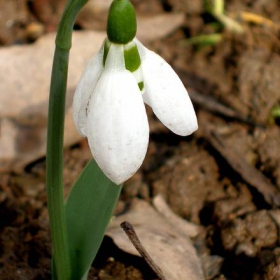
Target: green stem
x=54 y=160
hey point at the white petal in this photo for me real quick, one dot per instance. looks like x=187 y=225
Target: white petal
x=166 y=94
x=118 y=131
x=84 y=89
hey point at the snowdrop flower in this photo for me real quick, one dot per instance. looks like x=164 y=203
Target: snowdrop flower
x=109 y=100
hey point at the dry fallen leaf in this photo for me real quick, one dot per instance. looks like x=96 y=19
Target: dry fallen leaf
x=24 y=90
x=158 y=26
x=180 y=224
x=169 y=246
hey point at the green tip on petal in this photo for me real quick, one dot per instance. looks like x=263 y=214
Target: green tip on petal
x=121 y=24
x=107 y=45
x=141 y=86
x=131 y=57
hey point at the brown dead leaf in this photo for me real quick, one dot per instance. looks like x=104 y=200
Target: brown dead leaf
x=159 y=26
x=184 y=226
x=168 y=245
x=24 y=90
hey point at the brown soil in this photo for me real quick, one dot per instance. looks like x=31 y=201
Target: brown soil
x=200 y=182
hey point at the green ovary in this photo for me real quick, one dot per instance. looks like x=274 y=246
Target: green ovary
x=121 y=24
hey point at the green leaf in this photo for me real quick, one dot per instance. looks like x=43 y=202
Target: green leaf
x=88 y=212
x=203 y=40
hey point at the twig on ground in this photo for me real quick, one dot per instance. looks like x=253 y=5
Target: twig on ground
x=130 y=232
x=249 y=173
x=214 y=106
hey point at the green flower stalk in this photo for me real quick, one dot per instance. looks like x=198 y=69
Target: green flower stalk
x=54 y=159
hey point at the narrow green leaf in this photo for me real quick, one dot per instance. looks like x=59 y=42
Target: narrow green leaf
x=88 y=212
x=203 y=40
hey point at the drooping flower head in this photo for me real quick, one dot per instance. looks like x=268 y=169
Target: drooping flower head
x=109 y=100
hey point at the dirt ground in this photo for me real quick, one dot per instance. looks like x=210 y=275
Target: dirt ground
x=225 y=177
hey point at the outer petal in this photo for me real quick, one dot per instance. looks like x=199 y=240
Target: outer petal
x=84 y=90
x=166 y=94
x=118 y=131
